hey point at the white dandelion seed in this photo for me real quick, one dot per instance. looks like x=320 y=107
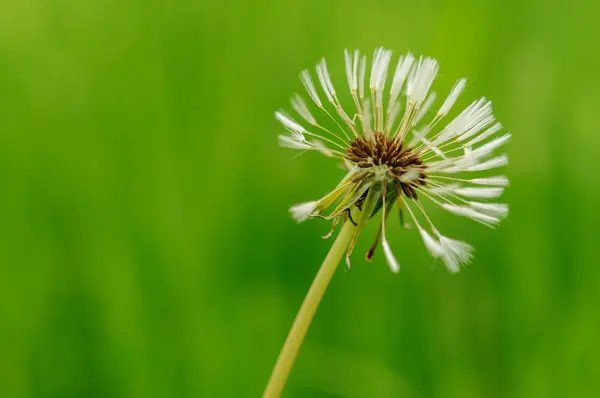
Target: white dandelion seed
x=403 y=68
x=452 y=97
x=301 y=108
x=455 y=253
x=292 y=142
x=302 y=211
x=498 y=210
x=310 y=87
x=479 y=192
x=499 y=181
x=433 y=246
x=400 y=152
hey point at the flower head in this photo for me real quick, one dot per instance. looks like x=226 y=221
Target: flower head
x=399 y=149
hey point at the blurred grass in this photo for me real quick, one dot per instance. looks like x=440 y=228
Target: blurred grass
x=145 y=245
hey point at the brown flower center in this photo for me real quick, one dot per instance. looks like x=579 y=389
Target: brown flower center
x=403 y=165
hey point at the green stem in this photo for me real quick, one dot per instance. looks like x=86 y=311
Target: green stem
x=307 y=312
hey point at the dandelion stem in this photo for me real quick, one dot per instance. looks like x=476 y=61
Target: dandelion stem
x=307 y=312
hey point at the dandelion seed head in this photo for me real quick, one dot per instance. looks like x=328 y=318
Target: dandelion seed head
x=399 y=149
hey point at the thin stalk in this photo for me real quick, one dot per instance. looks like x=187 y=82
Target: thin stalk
x=307 y=312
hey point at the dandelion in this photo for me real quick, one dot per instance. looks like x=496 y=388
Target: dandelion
x=398 y=149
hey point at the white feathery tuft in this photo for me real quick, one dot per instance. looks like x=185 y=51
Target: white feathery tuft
x=471 y=161
x=433 y=246
x=452 y=97
x=402 y=69
x=455 y=253
x=489 y=147
x=377 y=57
x=302 y=109
x=310 y=87
x=424 y=108
x=469 y=122
x=302 y=211
x=465 y=211
x=351 y=61
x=362 y=70
x=492 y=209
x=410 y=175
x=481 y=118
x=348 y=62
x=456 y=164
x=321 y=74
x=462 y=163
x=382 y=69
x=499 y=181
x=459 y=124
x=499 y=161
x=292 y=142
x=291 y=124
x=486 y=134
x=420 y=80
x=389 y=256
x=327 y=77
x=355 y=71
x=479 y=192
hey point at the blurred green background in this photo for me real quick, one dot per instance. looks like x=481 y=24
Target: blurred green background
x=145 y=245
